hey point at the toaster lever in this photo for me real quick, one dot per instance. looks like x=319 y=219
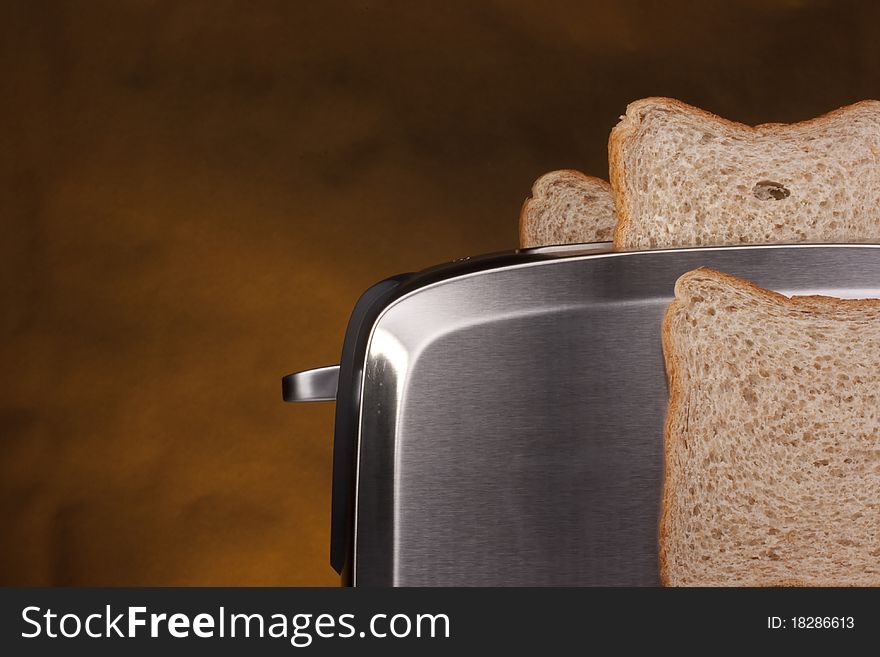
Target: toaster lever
x=311 y=385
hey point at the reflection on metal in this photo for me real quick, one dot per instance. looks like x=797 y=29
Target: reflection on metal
x=511 y=421
x=311 y=385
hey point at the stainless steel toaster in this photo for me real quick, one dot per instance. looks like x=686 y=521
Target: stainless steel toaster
x=499 y=419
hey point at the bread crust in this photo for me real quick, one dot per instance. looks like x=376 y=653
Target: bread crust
x=627 y=128
x=539 y=189
x=676 y=390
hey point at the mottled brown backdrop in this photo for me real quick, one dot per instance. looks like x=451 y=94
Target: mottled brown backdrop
x=195 y=193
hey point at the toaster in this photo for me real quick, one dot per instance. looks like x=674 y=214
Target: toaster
x=499 y=419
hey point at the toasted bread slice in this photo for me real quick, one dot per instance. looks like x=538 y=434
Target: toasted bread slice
x=684 y=177
x=772 y=438
x=567 y=207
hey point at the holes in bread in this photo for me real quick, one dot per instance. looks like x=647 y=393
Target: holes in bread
x=767 y=190
x=749 y=395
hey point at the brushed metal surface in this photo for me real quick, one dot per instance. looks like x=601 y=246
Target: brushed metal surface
x=318 y=384
x=511 y=422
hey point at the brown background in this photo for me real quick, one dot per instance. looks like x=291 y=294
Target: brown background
x=195 y=193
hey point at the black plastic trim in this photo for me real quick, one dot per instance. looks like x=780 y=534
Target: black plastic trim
x=348 y=399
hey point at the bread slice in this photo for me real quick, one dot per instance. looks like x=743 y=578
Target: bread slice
x=772 y=445
x=567 y=207
x=685 y=177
